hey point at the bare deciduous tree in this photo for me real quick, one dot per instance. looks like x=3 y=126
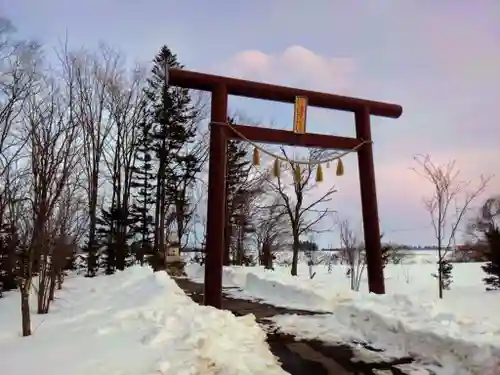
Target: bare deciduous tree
x=448 y=204
x=352 y=252
x=243 y=214
x=18 y=77
x=91 y=75
x=302 y=213
x=185 y=202
x=126 y=105
x=19 y=60
x=272 y=230
x=54 y=152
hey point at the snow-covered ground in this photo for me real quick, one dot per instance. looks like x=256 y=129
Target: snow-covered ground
x=140 y=323
x=459 y=335
x=134 y=322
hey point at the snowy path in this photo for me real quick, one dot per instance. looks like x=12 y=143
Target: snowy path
x=454 y=336
x=301 y=357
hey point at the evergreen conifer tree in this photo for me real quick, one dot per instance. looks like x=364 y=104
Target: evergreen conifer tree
x=237 y=173
x=106 y=246
x=114 y=247
x=143 y=185
x=171 y=116
x=492 y=267
x=446 y=269
x=9 y=257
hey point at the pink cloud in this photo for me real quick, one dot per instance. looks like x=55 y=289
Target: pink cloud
x=295 y=66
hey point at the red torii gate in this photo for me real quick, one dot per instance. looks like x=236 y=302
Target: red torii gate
x=221 y=88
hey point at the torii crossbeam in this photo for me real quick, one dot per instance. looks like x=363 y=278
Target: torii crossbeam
x=221 y=88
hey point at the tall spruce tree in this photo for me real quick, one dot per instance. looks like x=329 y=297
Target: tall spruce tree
x=237 y=174
x=143 y=185
x=105 y=242
x=171 y=116
x=181 y=181
x=114 y=246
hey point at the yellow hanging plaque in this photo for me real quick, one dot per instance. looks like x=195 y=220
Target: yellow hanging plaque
x=300 y=114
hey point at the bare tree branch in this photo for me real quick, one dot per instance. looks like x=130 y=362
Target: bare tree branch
x=302 y=216
x=449 y=202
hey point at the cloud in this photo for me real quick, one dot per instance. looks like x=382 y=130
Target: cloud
x=296 y=65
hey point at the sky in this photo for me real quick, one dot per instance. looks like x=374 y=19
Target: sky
x=439 y=60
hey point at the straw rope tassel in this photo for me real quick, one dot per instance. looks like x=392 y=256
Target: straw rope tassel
x=256 y=156
x=340 y=168
x=319 y=174
x=276 y=168
x=297 y=174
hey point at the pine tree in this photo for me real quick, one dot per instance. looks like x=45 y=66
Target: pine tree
x=143 y=186
x=171 y=115
x=114 y=246
x=237 y=172
x=9 y=257
x=446 y=274
x=106 y=254
x=181 y=183
x=492 y=267
x=445 y=268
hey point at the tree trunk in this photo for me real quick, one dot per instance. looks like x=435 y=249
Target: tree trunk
x=52 y=288
x=163 y=216
x=156 y=242
x=41 y=289
x=440 y=244
x=239 y=246
x=226 y=259
x=160 y=201
x=440 y=275
x=92 y=255
x=295 y=248
x=180 y=216
x=121 y=247
x=25 y=310
x=60 y=278
x=267 y=256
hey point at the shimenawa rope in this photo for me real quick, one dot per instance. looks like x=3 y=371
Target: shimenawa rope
x=284 y=159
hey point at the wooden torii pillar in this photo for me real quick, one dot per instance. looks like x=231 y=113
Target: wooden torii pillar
x=221 y=88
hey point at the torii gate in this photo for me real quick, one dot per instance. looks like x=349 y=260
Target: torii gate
x=220 y=133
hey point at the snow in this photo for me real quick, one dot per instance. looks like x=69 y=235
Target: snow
x=139 y=322
x=459 y=335
x=134 y=322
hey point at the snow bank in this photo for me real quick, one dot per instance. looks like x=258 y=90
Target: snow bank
x=231 y=276
x=134 y=322
x=401 y=324
x=400 y=332
x=271 y=287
